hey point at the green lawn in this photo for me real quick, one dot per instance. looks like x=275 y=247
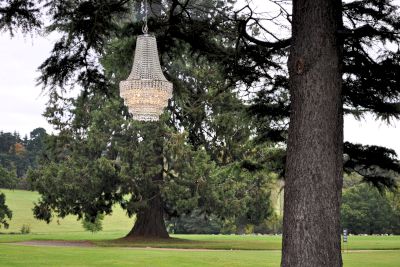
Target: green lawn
x=247 y=250
x=21 y=204
x=12 y=255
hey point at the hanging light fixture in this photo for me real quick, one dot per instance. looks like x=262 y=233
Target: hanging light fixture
x=146 y=91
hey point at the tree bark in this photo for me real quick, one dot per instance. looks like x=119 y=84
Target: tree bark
x=314 y=168
x=150 y=221
x=155 y=8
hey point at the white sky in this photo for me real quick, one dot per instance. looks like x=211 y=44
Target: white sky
x=22 y=102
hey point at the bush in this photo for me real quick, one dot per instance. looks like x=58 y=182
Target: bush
x=93 y=226
x=249 y=229
x=272 y=225
x=5 y=212
x=25 y=229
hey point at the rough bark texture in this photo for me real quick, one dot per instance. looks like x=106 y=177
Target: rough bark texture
x=311 y=235
x=155 y=8
x=150 y=221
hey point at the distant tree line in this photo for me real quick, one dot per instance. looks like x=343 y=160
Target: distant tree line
x=368 y=210
x=18 y=155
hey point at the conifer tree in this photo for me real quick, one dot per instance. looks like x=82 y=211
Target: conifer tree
x=199 y=156
x=213 y=29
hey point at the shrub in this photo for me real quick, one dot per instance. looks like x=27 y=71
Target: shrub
x=272 y=225
x=93 y=226
x=25 y=229
x=5 y=212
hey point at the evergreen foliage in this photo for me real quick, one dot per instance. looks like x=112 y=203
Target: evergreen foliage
x=5 y=212
x=21 y=15
x=195 y=223
x=95 y=226
x=366 y=211
x=17 y=155
x=8 y=179
x=378 y=166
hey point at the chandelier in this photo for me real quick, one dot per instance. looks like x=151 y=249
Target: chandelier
x=146 y=91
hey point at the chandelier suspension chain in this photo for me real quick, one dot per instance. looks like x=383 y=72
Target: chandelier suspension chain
x=145 y=28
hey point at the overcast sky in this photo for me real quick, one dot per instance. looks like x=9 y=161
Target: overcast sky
x=22 y=102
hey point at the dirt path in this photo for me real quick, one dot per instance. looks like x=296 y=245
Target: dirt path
x=60 y=243
x=88 y=244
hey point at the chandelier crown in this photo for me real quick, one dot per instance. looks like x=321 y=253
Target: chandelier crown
x=146 y=63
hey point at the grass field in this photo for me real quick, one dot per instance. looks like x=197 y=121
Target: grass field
x=21 y=204
x=12 y=255
x=247 y=250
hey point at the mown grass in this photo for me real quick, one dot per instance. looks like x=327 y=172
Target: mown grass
x=114 y=251
x=13 y=255
x=21 y=204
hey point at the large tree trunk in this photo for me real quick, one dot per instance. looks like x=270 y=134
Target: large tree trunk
x=311 y=234
x=150 y=221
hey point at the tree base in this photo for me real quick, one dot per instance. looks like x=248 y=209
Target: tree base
x=149 y=222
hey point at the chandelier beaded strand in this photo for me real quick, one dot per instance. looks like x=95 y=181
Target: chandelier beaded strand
x=146 y=91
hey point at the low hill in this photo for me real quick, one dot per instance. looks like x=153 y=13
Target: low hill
x=21 y=204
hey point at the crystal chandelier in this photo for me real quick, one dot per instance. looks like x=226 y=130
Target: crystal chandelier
x=146 y=91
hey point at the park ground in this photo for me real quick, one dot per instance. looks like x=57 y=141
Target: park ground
x=42 y=247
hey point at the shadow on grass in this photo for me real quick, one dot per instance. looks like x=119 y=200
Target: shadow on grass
x=171 y=242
